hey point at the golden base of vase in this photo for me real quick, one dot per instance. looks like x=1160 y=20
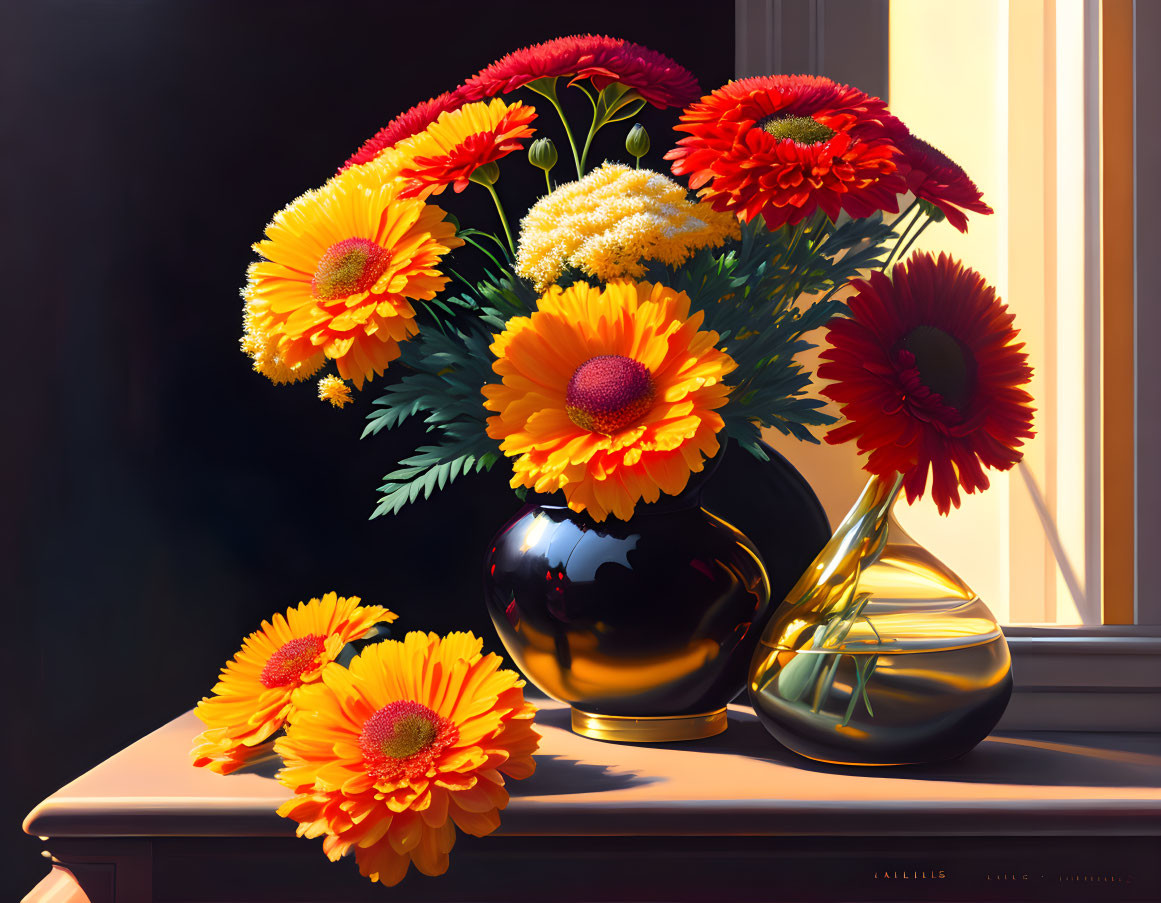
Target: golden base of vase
x=648 y=729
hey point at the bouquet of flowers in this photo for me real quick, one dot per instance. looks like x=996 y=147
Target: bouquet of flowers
x=623 y=326
x=611 y=338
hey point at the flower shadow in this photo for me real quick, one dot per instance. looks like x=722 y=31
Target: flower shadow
x=265 y=767
x=560 y=775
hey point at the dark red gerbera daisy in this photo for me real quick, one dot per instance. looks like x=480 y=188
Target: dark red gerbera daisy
x=605 y=60
x=935 y=177
x=784 y=146
x=406 y=124
x=927 y=372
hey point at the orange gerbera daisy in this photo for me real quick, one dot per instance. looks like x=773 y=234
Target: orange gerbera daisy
x=927 y=371
x=340 y=267
x=258 y=687
x=390 y=755
x=459 y=142
x=608 y=394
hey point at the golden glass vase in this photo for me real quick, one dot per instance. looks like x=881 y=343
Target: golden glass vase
x=880 y=655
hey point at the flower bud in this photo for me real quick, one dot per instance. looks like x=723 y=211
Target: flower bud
x=488 y=174
x=637 y=141
x=542 y=154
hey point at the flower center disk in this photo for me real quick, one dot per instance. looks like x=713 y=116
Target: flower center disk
x=801 y=129
x=403 y=738
x=608 y=393
x=347 y=267
x=942 y=364
x=286 y=665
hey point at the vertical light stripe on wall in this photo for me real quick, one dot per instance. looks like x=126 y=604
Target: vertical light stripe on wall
x=1031 y=215
x=949 y=65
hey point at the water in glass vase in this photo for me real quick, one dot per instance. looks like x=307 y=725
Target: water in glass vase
x=881 y=655
x=917 y=700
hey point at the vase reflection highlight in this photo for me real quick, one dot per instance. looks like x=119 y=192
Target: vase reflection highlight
x=880 y=654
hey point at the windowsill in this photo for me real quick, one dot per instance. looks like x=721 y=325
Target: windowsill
x=1082 y=631
x=1085 y=678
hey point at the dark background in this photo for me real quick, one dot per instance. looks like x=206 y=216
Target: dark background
x=159 y=498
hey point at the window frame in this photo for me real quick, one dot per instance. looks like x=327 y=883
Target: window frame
x=1095 y=677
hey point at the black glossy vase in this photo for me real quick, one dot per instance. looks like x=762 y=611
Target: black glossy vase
x=645 y=627
x=773 y=504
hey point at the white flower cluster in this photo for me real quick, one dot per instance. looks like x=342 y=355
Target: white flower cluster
x=608 y=224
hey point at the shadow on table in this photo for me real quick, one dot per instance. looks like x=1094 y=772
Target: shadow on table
x=998 y=760
x=266 y=767
x=563 y=775
x=557 y=775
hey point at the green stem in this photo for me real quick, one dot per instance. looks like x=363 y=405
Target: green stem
x=568 y=131
x=470 y=285
x=547 y=182
x=480 y=232
x=910 y=207
x=902 y=235
x=822 y=688
x=790 y=270
x=503 y=218
x=820 y=234
x=588 y=141
x=796 y=237
x=486 y=253
x=926 y=223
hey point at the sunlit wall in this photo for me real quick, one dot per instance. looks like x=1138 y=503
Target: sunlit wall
x=999 y=86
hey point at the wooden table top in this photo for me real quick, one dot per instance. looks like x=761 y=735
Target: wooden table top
x=738 y=783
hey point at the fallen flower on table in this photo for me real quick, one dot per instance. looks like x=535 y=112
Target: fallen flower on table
x=258 y=687
x=413 y=739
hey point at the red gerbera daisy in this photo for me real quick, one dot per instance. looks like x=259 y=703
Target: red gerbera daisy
x=458 y=143
x=935 y=177
x=406 y=124
x=605 y=60
x=785 y=145
x=927 y=372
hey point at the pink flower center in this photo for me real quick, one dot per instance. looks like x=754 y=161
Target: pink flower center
x=349 y=266
x=287 y=664
x=402 y=740
x=606 y=394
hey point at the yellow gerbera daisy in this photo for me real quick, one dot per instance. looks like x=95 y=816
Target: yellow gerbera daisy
x=340 y=267
x=608 y=394
x=415 y=732
x=611 y=222
x=384 y=168
x=258 y=687
x=458 y=143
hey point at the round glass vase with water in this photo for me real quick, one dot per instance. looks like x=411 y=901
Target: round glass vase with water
x=880 y=655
